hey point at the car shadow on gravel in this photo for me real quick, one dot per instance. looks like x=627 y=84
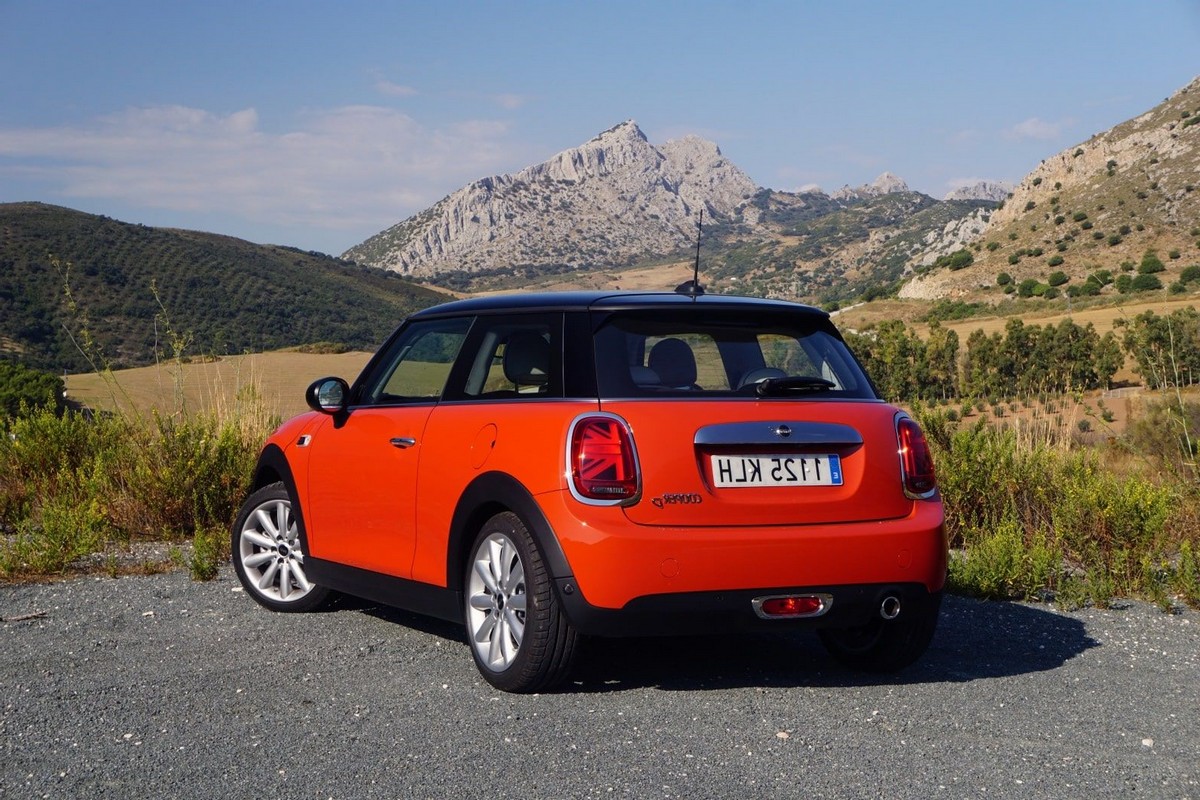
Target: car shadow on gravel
x=974 y=640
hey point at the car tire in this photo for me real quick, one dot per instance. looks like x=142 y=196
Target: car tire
x=520 y=638
x=885 y=645
x=267 y=556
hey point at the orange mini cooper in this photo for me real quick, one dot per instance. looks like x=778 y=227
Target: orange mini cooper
x=546 y=466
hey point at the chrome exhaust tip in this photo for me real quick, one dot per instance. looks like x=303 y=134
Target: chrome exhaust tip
x=890 y=607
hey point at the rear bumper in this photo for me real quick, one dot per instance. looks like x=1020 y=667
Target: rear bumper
x=696 y=613
x=644 y=573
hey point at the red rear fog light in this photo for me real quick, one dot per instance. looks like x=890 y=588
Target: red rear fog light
x=792 y=606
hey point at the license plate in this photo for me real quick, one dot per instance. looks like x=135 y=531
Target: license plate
x=806 y=470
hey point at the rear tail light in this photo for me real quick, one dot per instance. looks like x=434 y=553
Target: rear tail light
x=602 y=462
x=916 y=461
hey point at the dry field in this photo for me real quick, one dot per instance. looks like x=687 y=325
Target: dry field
x=1102 y=317
x=277 y=380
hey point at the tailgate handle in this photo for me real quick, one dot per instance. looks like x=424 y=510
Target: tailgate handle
x=780 y=432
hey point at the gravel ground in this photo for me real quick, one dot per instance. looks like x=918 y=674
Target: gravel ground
x=157 y=686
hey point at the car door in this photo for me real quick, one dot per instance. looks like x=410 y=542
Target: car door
x=363 y=465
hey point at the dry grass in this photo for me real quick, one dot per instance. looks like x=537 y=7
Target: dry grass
x=278 y=378
x=908 y=311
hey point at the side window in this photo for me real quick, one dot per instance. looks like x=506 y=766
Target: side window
x=419 y=362
x=514 y=358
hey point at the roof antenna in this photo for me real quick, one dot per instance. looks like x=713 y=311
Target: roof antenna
x=692 y=288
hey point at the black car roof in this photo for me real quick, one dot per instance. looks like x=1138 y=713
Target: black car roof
x=607 y=301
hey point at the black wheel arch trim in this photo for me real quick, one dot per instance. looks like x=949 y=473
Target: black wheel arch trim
x=273 y=467
x=489 y=494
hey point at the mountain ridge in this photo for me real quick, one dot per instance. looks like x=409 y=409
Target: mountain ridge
x=138 y=291
x=1097 y=206
x=618 y=201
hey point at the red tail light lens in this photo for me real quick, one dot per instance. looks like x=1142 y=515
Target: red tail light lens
x=603 y=464
x=916 y=461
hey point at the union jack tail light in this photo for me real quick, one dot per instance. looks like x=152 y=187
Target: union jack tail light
x=602 y=461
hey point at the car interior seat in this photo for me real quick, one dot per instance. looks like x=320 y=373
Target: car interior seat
x=527 y=361
x=674 y=363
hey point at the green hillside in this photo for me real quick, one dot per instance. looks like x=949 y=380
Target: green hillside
x=134 y=286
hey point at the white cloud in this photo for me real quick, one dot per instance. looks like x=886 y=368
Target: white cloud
x=1035 y=128
x=386 y=87
x=510 y=102
x=352 y=168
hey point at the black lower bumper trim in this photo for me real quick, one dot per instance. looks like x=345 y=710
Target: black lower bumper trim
x=694 y=613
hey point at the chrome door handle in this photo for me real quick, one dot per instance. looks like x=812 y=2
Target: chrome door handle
x=403 y=442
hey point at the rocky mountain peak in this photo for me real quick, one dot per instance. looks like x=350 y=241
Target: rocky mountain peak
x=993 y=191
x=611 y=151
x=609 y=201
x=887 y=183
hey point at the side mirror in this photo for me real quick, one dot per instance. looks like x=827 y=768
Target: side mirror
x=328 y=395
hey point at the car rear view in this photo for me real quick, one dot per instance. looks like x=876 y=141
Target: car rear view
x=764 y=483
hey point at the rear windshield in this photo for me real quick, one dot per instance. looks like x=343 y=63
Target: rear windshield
x=651 y=354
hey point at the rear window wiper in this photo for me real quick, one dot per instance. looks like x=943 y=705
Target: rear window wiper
x=795 y=383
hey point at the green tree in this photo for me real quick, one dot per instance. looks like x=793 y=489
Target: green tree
x=1165 y=349
x=981 y=368
x=33 y=388
x=899 y=357
x=1108 y=359
x=941 y=362
x=1151 y=263
x=1146 y=283
x=959 y=259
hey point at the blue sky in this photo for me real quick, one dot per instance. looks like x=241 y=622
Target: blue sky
x=318 y=124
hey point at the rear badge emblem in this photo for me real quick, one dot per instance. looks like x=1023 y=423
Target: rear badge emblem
x=677 y=499
x=783 y=431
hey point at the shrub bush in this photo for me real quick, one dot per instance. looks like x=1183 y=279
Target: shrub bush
x=1146 y=283
x=22 y=386
x=70 y=486
x=1020 y=508
x=1150 y=263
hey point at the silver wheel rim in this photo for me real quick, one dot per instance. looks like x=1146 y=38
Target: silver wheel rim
x=269 y=549
x=496 y=602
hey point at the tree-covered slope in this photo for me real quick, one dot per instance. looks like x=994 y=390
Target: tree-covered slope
x=134 y=287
